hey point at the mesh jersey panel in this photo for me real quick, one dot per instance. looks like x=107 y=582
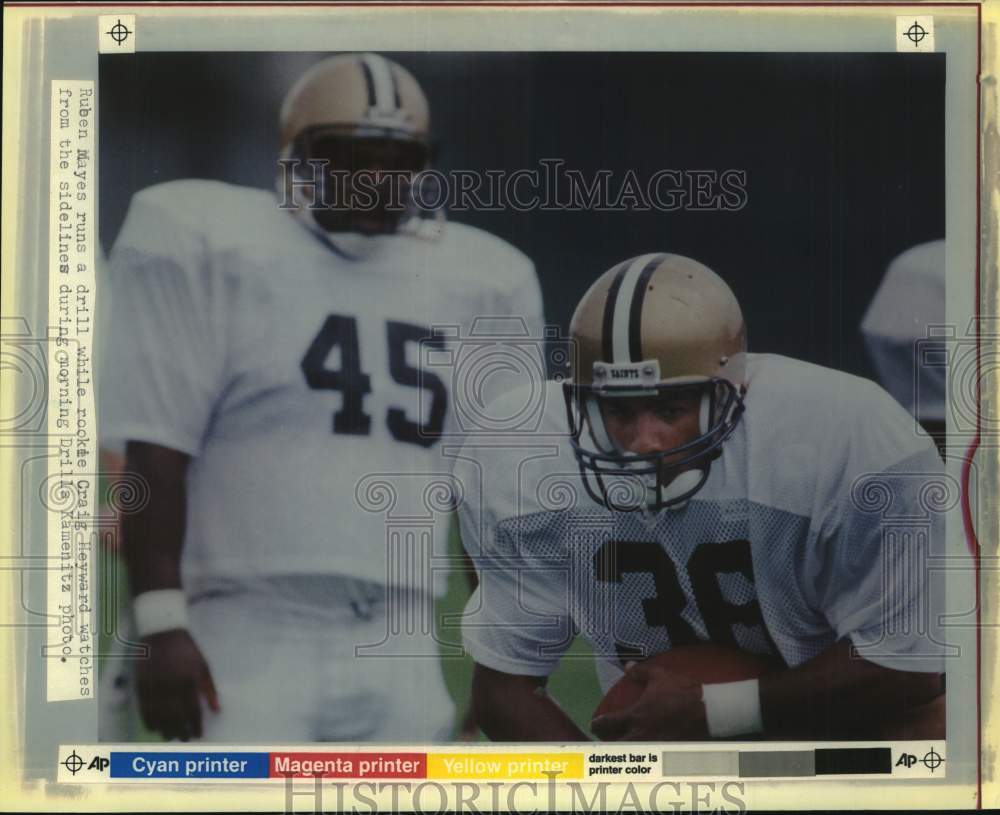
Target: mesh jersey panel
x=733 y=573
x=635 y=589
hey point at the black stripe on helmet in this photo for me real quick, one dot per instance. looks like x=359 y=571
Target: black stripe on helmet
x=608 y=324
x=635 y=309
x=397 y=101
x=369 y=82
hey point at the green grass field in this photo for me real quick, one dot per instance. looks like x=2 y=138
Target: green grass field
x=574 y=684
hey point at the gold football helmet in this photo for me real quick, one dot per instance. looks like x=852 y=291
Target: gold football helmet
x=348 y=115
x=653 y=325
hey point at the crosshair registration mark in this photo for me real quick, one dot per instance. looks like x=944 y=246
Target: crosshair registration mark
x=933 y=759
x=119 y=32
x=915 y=33
x=73 y=763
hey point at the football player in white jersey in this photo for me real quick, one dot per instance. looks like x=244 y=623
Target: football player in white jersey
x=265 y=359
x=685 y=492
x=908 y=303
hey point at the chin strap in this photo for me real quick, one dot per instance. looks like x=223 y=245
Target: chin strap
x=705 y=412
x=684 y=482
x=358 y=246
x=688 y=480
x=355 y=245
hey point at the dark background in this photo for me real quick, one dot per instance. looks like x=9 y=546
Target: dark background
x=844 y=155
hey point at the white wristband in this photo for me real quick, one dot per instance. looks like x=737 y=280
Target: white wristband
x=732 y=708
x=159 y=610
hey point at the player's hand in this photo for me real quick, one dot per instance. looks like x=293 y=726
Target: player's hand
x=170 y=683
x=669 y=709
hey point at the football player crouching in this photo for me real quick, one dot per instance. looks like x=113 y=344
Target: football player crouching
x=723 y=543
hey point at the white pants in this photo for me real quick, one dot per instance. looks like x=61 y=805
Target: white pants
x=287 y=671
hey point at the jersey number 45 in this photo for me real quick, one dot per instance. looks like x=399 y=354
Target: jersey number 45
x=340 y=331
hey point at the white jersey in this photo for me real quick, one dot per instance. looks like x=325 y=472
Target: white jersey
x=813 y=526
x=909 y=302
x=292 y=377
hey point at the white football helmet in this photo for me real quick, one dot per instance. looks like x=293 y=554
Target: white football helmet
x=654 y=325
x=354 y=115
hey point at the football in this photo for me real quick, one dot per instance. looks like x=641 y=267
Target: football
x=704 y=663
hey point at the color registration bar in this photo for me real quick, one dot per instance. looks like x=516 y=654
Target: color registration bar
x=345 y=765
x=157 y=764
x=780 y=763
x=348 y=765
x=608 y=762
x=511 y=766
